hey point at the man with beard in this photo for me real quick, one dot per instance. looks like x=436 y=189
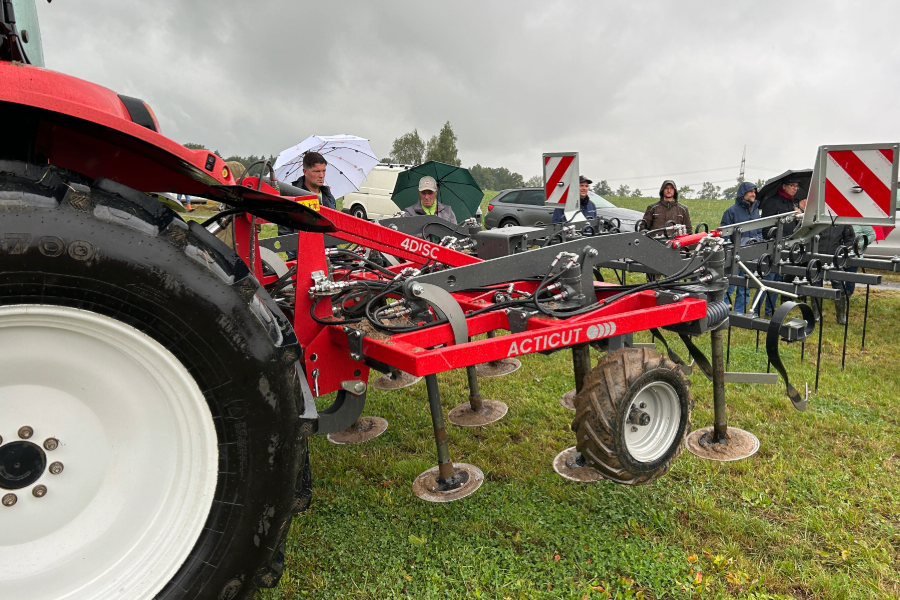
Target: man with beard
x=667 y=209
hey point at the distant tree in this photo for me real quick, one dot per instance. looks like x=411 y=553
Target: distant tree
x=685 y=192
x=536 y=181
x=623 y=191
x=730 y=192
x=191 y=146
x=249 y=160
x=636 y=193
x=602 y=189
x=499 y=178
x=710 y=191
x=408 y=149
x=442 y=147
x=386 y=160
x=760 y=183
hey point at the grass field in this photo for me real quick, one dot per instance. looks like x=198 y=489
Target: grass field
x=814 y=514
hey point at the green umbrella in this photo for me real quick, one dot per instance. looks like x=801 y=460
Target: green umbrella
x=456 y=188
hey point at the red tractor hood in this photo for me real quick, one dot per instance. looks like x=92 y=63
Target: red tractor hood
x=87 y=128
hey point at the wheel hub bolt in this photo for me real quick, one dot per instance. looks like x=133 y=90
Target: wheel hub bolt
x=56 y=468
x=642 y=405
x=9 y=499
x=51 y=444
x=26 y=432
x=39 y=491
x=633 y=429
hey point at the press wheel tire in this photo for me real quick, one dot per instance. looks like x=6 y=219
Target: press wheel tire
x=358 y=211
x=167 y=375
x=621 y=381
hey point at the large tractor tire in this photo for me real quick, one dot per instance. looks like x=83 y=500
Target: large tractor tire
x=632 y=415
x=152 y=441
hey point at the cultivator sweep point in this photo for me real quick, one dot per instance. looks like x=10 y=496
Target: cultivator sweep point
x=571 y=464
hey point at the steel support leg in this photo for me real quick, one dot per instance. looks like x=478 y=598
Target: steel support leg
x=445 y=464
x=581 y=364
x=475 y=400
x=720 y=420
x=846 y=328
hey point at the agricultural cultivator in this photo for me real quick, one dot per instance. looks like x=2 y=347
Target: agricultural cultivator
x=158 y=383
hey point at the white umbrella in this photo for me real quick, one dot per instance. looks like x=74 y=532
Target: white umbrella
x=349 y=159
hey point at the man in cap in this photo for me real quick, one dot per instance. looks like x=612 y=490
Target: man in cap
x=587 y=208
x=745 y=208
x=428 y=203
x=667 y=209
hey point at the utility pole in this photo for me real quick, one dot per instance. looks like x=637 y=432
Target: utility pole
x=743 y=162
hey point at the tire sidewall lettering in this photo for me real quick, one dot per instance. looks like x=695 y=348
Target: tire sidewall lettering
x=51 y=246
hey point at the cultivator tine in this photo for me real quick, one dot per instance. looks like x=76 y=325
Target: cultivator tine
x=772 y=335
x=819 y=350
x=448 y=481
x=477 y=411
x=656 y=333
x=846 y=328
x=865 y=319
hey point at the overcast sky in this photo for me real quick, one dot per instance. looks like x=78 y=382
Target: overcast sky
x=642 y=90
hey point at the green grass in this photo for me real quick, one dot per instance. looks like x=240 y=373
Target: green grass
x=813 y=515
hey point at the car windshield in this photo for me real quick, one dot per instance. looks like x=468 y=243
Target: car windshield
x=599 y=201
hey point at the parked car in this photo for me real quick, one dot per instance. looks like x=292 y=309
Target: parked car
x=525 y=206
x=373 y=200
x=889 y=247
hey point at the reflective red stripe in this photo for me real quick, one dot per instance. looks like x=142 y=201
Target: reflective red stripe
x=836 y=202
x=864 y=177
x=564 y=163
x=888 y=154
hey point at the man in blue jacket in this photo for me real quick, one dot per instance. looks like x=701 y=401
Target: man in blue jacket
x=745 y=208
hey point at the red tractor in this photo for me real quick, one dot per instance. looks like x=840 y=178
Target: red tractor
x=158 y=384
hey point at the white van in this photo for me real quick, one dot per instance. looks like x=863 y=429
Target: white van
x=373 y=200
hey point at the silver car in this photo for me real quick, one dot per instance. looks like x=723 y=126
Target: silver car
x=889 y=247
x=525 y=206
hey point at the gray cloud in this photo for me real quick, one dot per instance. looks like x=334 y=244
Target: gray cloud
x=639 y=89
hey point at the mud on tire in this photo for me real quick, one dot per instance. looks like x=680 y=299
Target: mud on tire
x=609 y=414
x=102 y=251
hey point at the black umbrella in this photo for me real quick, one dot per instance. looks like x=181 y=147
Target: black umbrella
x=804 y=176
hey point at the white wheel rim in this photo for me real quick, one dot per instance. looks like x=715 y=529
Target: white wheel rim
x=647 y=443
x=138 y=446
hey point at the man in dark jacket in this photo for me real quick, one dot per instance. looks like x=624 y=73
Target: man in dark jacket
x=428 y=204
x=587 y=208
x=313 y=180
x=667 y=209
x=782 y=201
x=745 y=208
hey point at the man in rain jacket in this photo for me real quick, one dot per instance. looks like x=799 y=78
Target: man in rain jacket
x=745 y=208
x=667 y=209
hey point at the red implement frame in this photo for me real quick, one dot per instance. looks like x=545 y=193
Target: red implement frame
x=432 y=350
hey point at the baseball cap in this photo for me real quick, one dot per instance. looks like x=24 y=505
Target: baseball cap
x=427 y=183
x=583 y=179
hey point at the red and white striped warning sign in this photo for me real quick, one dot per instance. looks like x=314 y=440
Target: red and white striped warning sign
x=561 y=177
x=858 y=183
